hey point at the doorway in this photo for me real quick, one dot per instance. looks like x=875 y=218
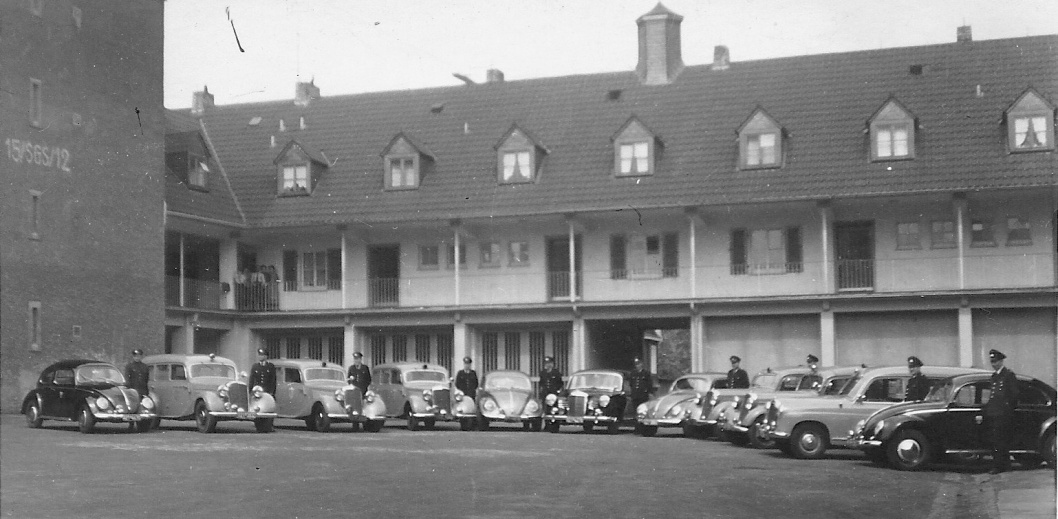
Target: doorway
x=854 y=245
x=383 y=275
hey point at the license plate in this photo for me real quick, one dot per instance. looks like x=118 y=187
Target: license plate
x=246 y=416
x=130 y=418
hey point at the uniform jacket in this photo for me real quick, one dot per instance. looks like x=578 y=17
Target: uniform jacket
x=550 y=382
x=264 y=374
x=136 y=376
x=1004 y=395
x=360 y=376
x=641 y=383
x=737 y=379
x=467 y=382
x=918 y=387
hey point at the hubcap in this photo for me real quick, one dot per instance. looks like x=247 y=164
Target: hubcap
x=909 y=450
x=809 y=441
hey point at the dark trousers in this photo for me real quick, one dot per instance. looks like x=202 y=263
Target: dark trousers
x=1001 y=429
x=638 y=399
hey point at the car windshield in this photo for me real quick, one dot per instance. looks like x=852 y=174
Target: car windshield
x=508 y=381
x=90 y=374
x=608 y=381
x=851 y=384
x=213 y=370
x=835 y=385
x=425 y=376
x=324 y=374
x=697 y=384
x=765 y=380
x=941 y=392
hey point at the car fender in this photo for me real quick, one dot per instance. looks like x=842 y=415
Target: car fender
x=464 y=406
x=417 y=402
x=714 y=413
x=213 y=401
x=266 y=404
x=375 y=409
x=1047 y=426
x=753 y=414
x=897 y=423
x=329 y=403
x=32 y=396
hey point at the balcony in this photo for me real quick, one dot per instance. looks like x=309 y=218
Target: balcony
x=558 y=285
x=855 y=274
x=197 y=293
x=383 y=292
x=257 y=297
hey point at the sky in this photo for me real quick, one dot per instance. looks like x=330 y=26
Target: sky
x=255 y=50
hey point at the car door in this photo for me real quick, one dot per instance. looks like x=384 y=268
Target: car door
x=66 y=394
x=158 y=383
x=180 y=393
x=46 y=393
x=296 y=396
x=1034 y=407
x=383 y=386
x=964 y=424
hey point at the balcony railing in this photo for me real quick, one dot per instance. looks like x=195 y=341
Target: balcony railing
x=257 y=297
x=383 y=291
x=855 y=274
x=558 y=284
x=197 y=293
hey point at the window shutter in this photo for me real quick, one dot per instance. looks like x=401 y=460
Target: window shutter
x=334 y=268
x=670 y=258
x=290 y=269
x=794 y=260
x=618 y=265
x=738 y=251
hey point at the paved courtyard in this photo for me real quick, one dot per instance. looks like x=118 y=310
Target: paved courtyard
x=504 y=472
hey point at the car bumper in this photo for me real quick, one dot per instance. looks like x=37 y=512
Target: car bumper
x=511 y=418
x=860 y=443
x=436 y=415
x=734 y=427
x=353 y=417
x=124 y=417
x=590 y=419
x=243 y=415
x=663 y=422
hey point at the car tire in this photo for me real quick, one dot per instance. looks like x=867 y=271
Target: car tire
x=648 y=431
x=613 y=428
x=310 y=421
x=33 y=417
x=552 y=427
x=466 y=423
x=588 y=427
x=1047 y=449
x=483 y=423
x=908 y=450
x=721 y=435
x=809 y=441
x=535 y=424
x=320 y=419
x=156 y=423
x=691 y=431
x=372 y=426
x=1029 y=461
x=264 y=425
x=206 y=422
x=429 y=423
x=413 y=423
x=756 y=440
x=86 y=421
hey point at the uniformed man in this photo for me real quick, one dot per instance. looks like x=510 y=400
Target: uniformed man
x=641 y=383
x=918 y=385
x=737 y=378
x=999 y=411
x=263 y=373
x=136 y=373
x=550 y=379
x=467 y=379
x=359 y=374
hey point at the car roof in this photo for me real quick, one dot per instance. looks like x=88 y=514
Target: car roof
x=600 y=372
x=73 y=363
x=407 y=366
x=304 y=363
x=926 y=370
x=707 y=374
x=182 y=358
x=506 y=372
x=986 y=374
x=785 y=370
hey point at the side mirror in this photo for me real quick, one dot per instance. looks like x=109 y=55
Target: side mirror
x=861 y=398
x=243 y=374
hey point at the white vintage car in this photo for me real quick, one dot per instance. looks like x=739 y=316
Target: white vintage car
x=317 y=392
x=675 y=408
x=420 y=392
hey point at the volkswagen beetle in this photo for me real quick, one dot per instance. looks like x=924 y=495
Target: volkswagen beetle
x=316 y=392
x=206 y=389
x=507 y=396
x=87 y=392
x=675 y=408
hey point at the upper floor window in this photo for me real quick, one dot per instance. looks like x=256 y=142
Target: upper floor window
x=518 y=157
x=760 y=141
x=644 y=256
x=295 y=180
x=428 y=257
x=942 y=234
x=452 y=255
x=321 y=270
x=198 y=172
x=490 y=254
x=981 y=234
x=518 y=254
x=299 y=167
x=892 y=130
x=1019 y=232
x=402 y=173
x=766 y=251
x=908 y=236
x=635 y=148
x=404 y=160
x=1030 y=123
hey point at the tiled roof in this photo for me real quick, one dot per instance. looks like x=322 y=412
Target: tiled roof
x=823 y=101
x=218 y=202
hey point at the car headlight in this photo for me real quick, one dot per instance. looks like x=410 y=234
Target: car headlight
x=641 y=410
x=550 y=399
x=859 y=426
x=877 y=431
x=102 y=403
x=370 y=396
x=458 y=396
x=147 y=403
x=698 y=400
x=223 y=391
x=339 y=395
x=489 y=405
x=750 y=400
x=676 y=410
x=532 y=406
x=738 y=401
x=604 y=400
x=258 y=391
x=427 y=395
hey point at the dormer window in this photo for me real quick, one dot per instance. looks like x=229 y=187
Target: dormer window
x=518 y=157
x=635 y=149
x=299 y=167
x=1030 y=124
x=198 y=173
x=295 y=180
x=403 y=160
x=760 y=142
x=892 y=130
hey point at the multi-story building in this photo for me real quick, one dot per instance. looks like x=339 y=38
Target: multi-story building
x=81 y=209
x=861 y=206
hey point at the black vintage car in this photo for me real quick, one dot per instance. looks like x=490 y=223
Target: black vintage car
x=951 y=421
x=591 y=397
x=87 y=391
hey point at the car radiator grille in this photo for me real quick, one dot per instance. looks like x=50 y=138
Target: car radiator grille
x=239 y=395
x=773 y=413
x=442 y=398
x=577 y=405
x=354 y=400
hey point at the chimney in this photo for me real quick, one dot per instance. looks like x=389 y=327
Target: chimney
x=305 y=92
x=964 y=34
x=494 y=76
x=721 y=58
x=201 y=101
x=659 y=46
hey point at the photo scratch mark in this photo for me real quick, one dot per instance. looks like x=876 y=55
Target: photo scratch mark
x=227 y=11
x=638 y=214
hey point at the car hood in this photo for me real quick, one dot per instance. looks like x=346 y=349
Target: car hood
x=906 y=408
x=326 y=385
x=510 y=400
x=210 y=383
x=425 y=384
x=662 y=404
x=120 y=396
x=592 y=391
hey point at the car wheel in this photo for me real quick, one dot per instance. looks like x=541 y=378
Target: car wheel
x=536 y=424
x=757 y=440
x=321 y=420
x=33 y=419
x=648 y=430
x=588 y=427
x=908 y=450
x=86 y=421
x=1029 y=461
x=206 y=422
x=429 y=423
x=310 y=422
x=466 y=423
x=264 y=425
x=1047 y=449
x=413 y=423
x=483 y=423
x=691 y=431
x=720 y=435
x=809 y=441
x=372 y=426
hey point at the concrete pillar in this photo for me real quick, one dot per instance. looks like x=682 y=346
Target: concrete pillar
x=579 y=347
x=958 y=203
x=351 y=344
x=229 y=264
x=572 y=262
x=183 y=295
x=184 y=339
x=459 y=343
x=966 y=337
x=692 y=232
x=826 y=217
x=345 y=271
x=456 y=228
x=827 y=340
x=697 y=345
